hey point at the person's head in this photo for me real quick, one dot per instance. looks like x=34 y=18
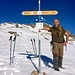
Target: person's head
x=56 y=22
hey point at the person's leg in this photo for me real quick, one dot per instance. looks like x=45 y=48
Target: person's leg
x=60 y=62
x=60 y=55
x=55 y=56
x=55 y=62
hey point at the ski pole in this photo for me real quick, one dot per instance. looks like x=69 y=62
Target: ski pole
x=35 y=51
x=14 y=40
x=32 y=44
x=10 y=47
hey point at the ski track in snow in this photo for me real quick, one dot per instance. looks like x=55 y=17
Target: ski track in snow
x=25 y=63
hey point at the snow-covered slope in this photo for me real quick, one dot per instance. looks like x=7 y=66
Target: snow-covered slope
x=25 y=62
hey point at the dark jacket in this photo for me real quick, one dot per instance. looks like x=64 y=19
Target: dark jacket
x=57 y=34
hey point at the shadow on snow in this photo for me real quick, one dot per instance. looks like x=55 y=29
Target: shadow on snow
x=46 y=60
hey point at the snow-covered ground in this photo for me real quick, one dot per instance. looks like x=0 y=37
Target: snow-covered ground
x=25 y=62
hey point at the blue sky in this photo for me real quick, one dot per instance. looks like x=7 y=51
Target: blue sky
x=10 y=11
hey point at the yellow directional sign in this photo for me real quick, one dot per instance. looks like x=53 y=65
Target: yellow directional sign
x=49 y=12
x=54 y=12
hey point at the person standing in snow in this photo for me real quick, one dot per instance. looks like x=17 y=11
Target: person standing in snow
x=58 y=42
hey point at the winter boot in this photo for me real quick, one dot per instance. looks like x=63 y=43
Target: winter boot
x=60 y=62
x=55 y=63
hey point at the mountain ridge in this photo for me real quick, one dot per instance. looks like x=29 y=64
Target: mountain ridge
x=12 y=25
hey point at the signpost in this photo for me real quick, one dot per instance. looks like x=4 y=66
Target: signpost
x=39 y=26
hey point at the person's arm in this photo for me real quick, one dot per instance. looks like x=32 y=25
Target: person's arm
x=46 y=28
x=67 y=38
